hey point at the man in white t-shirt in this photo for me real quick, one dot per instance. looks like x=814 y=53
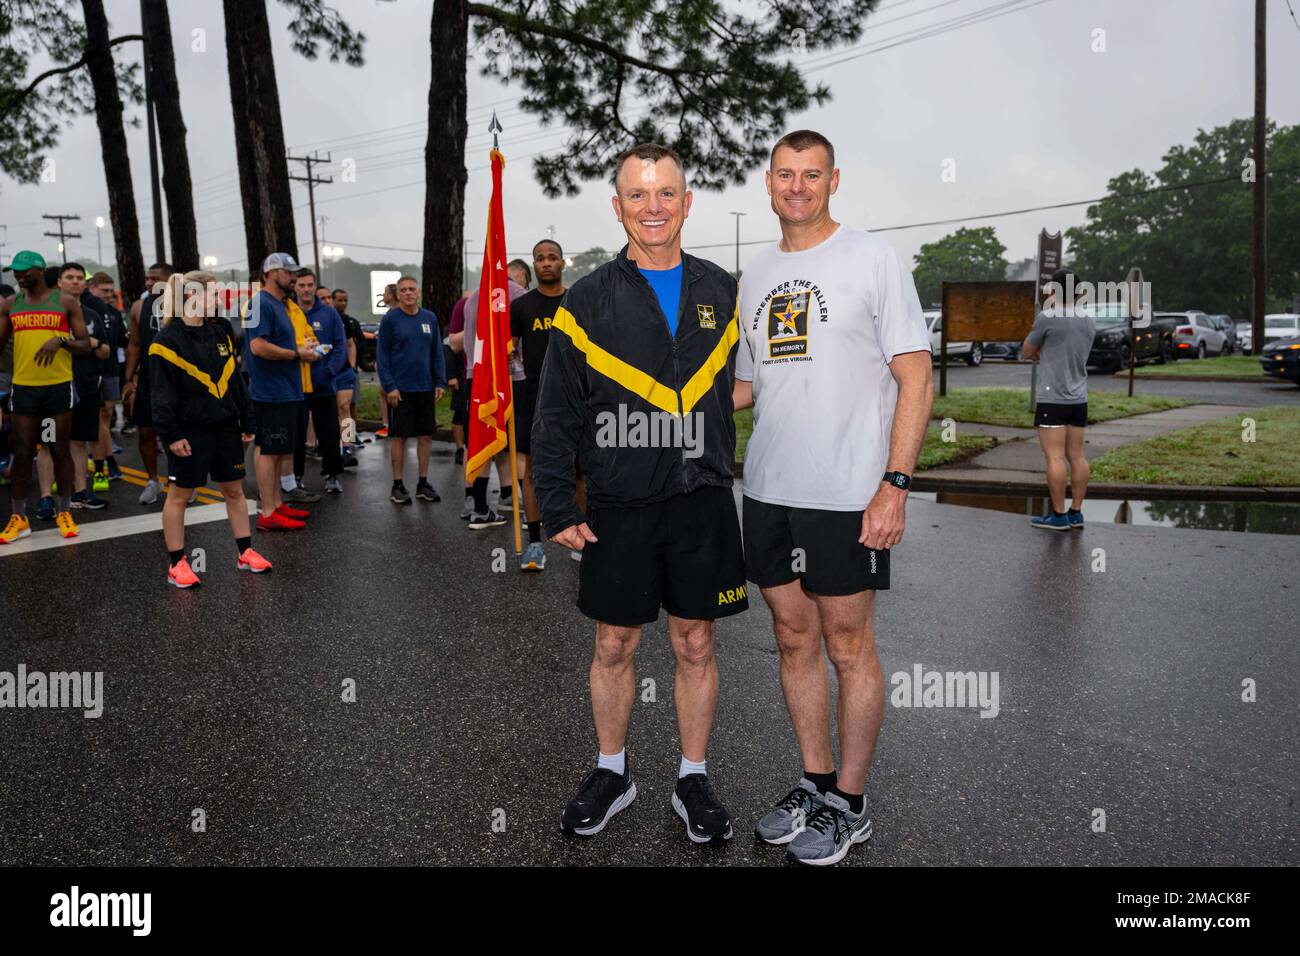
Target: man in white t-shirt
x=835 y=358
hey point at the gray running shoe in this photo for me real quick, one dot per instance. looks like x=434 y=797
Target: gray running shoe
x=478 y=522
x=301 y=495
x=830 y=831
x=468 y=511
x=333 y=485
x=788 y=818
x=152 y=490
x=533 y=558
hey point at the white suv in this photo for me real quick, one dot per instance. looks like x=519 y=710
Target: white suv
x=1280 y=325
x=971 y=352
x=1195 y=335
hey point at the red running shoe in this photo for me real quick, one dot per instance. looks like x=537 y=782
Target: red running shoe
x=250 y=560
x=180 y=575
x=297 y=514
x=278 y=522
x=381 y=432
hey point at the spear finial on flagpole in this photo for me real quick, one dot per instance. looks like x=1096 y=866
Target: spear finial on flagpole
x=494 y=128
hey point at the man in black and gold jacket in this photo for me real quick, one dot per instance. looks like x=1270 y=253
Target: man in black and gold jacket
x=636 y=386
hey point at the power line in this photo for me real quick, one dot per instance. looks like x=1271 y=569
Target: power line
x=1292 y=12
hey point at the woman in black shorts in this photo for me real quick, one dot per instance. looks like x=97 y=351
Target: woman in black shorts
x=203 y=414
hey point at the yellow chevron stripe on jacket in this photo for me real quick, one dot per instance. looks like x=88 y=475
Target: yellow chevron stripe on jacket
x=637 y=381
x=217 y=389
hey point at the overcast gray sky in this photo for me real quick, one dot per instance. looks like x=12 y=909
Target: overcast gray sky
x=1022 y=104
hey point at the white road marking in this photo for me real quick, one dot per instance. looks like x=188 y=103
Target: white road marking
x=114 y=528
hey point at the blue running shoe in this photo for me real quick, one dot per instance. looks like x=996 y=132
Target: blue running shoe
x=1051 y=522
x=46 y=509
x=1075 y=518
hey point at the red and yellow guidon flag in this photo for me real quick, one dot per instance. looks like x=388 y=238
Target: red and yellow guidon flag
x=490 y=401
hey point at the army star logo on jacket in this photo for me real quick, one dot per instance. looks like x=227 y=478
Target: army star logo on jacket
x=707 y=319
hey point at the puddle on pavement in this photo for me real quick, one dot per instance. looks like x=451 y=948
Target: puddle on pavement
x=1251 y=516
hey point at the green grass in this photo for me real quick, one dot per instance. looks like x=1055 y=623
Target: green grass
x=1225 y=366
x=934 y=452
x=1010 y=406
x=1214 y=454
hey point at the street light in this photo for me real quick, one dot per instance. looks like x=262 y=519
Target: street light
x=99 y=238
x=209 y=262
x=738 y=215
x=332 y=254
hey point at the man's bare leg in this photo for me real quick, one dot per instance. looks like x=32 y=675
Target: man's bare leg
x=613 y=683
x=850 y=644
x=804 y=681
x=695 y=687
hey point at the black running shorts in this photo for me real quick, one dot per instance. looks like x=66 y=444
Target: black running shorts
x=413 y=416
x=1052 y=415
x=818 y=548
x=40 y=401
x=683 y=554
x=525 y=402
x=277 y=426
x=216 y=450
x=85 y=414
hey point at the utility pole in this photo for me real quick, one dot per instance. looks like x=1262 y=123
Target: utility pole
x=2 y=247
x=1259 y=265
x=311 y=182
x=737 y=215
x=154 y=190
x=63 y=235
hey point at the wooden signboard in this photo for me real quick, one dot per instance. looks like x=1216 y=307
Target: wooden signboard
x=984 y=312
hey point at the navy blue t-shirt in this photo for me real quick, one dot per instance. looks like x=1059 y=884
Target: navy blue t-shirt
x=667 y=284
x=271 y=381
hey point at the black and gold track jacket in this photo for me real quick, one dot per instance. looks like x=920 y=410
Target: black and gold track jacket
x=611 y=360
x=195 y=379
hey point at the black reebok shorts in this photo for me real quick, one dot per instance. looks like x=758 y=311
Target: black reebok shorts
x=413 y=417
x=526 y=395
x=818 y=548
x=277 y=426
x=683 y=554
x=41 y=401
x=216 y=450
x=1053 y=415
x=85 y=414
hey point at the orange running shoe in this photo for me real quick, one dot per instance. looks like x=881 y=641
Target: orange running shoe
x=18 y=527
x=381 y=432
x=180 y=575
x=278 y=522
x=67 y=527
x=250 y=560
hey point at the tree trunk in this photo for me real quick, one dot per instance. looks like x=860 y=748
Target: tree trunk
x=259 y=137
x=444 y=159
x=157 y=30
x=112 y=144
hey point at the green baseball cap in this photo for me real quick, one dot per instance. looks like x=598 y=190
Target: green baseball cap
x=26 y=260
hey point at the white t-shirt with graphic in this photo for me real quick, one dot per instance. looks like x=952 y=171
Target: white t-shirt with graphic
x=818 y=330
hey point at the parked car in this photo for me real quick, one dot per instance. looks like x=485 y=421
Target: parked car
x=1244 y=335
x=1281 y=358
x=1228 y=327
x=1111 y=347
x=1280 y=325
x=1195 y=335
x=972 y=352
x=1007 y=351
x=366 y=351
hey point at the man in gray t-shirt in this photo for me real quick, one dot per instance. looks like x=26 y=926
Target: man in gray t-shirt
x=1060 y=340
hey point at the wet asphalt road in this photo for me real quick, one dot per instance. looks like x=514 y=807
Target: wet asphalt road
x=1119 y=691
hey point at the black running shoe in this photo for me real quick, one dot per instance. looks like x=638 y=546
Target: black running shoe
x=424 y=491
x=601 y=794
x=707 y=820
x=399 y=495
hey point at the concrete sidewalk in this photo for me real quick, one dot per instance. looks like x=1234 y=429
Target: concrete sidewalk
x=1016 y=464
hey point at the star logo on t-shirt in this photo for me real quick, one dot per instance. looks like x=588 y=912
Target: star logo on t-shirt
x=786 y=324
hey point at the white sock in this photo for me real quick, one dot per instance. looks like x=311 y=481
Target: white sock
x=689 y=767
x=615 y=762
x=288 y=482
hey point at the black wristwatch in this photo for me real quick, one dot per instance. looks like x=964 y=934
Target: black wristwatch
x=898 y=480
